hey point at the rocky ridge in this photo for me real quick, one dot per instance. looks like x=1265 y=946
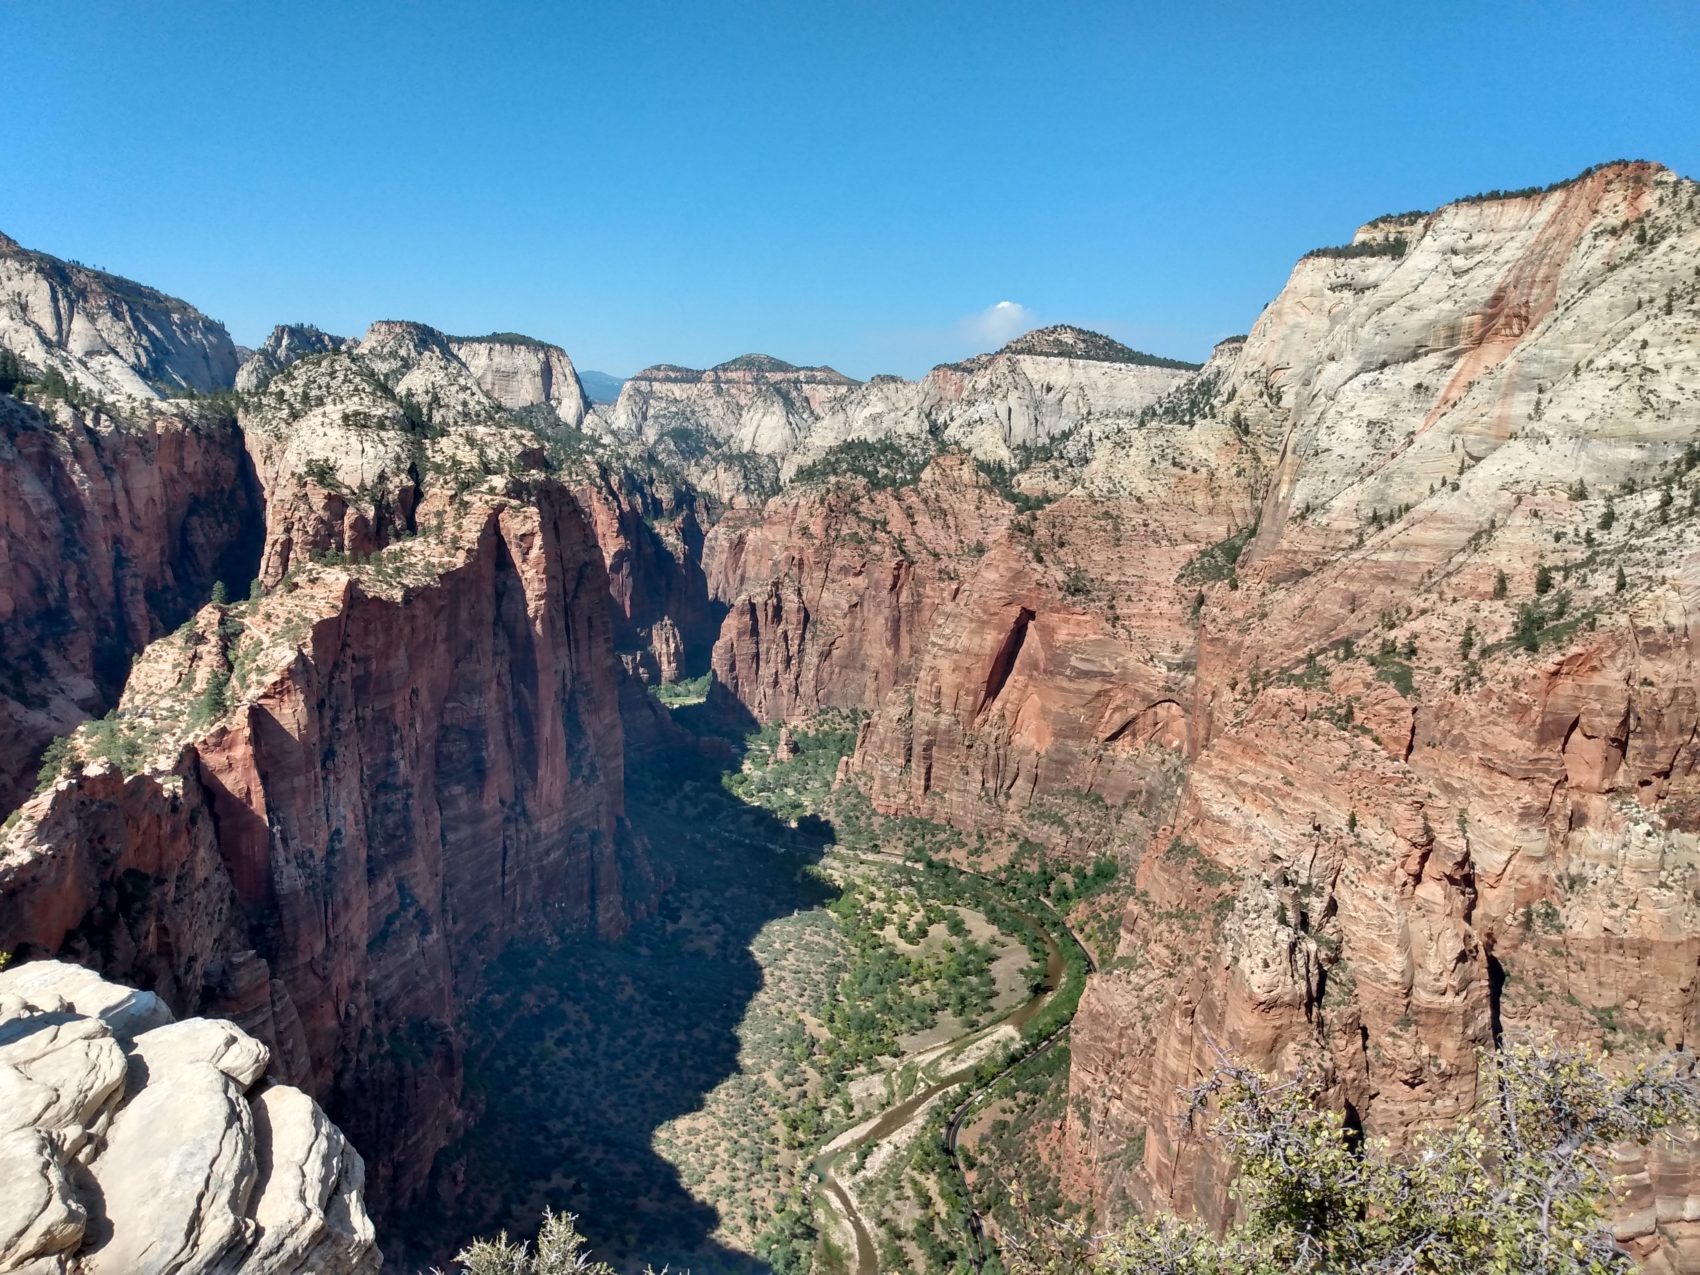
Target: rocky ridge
x=1383 y=618
x=111 y=334
x=744 y=428
x=290 y=817
x=132 y=1144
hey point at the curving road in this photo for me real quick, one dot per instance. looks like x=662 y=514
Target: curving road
x=896 y=1116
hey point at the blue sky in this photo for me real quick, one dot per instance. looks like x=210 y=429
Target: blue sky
x=858 y=184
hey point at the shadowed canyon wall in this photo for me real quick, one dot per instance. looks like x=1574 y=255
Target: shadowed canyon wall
x=1404 y=580
x=1378 y=630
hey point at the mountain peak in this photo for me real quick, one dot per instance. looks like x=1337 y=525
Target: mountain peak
x=1065 y=341
x=754 y=363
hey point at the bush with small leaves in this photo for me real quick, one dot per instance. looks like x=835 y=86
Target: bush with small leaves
x=560 y=1250
x=1520 y=1189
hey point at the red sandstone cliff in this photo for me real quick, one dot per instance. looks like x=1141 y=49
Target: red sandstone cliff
x=421 y=759
x=831 y=593
x=1400 y=830
x=114 y=523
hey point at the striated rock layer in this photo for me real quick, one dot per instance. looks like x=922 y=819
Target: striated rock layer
x=421 y=758
x=1405 y=580
x=111 y=335
x=131 y=1144
x=113 y=528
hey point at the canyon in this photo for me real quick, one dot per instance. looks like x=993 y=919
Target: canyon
x=1365 y=651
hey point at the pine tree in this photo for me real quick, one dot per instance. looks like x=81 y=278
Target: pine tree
x=1622 y=581
x=12 y=373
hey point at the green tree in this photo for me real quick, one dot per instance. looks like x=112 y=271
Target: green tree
x=1543 y=580
x=213 y=702
x=1607 y=517
x=12 y=372
x=1520 y=1189
x=54 y=759
x=1499 y=584
x=220 y=594
x=1622 y=581
x=1527 y=633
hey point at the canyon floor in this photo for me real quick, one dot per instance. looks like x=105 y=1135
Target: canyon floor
x=757 y=1078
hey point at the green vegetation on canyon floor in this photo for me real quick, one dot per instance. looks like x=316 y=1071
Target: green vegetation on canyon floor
x=789 y=1031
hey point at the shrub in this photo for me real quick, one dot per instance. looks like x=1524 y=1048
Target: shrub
x=53 y=762
x=1519 y=1189
x=560 y=1251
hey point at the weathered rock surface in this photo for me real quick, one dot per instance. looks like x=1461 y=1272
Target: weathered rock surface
x=832 y=593
x=1448 y=835
x=1418 y=807
x=134 y=1145
x=519 y=372
x=421 y=757
x=652 y=539
x=288 y=343
x=755 y=404
x=741 y=428
x=315 y=811
x=112 y=335
x=113 y=529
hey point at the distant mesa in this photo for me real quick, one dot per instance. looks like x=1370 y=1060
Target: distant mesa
x=503 y=338
x=1065 y=341
x=762 y=365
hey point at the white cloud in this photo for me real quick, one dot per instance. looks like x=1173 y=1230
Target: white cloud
x=997 y=324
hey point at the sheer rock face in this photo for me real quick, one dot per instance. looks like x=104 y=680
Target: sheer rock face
x=422 y=758
x=113 y=335
x=831 y=594
x=338 y=798
x=651 y=536
x=1399 y=829
x=1383 y=860
x=520 y=374
x=134 y=1145
x=111 y=531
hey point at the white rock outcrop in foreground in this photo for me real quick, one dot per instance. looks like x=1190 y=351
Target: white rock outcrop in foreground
x=134 y=1145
